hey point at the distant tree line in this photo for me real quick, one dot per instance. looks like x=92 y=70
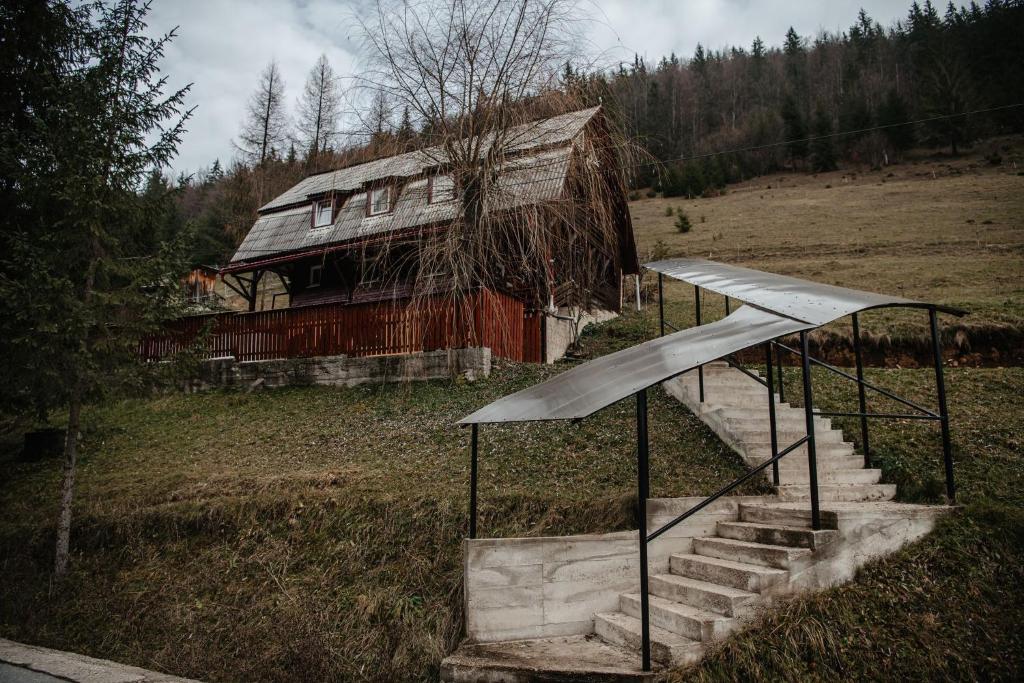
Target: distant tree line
x=811 y=90
x=703 y=122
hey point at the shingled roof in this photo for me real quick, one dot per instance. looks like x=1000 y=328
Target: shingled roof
x=535 y=176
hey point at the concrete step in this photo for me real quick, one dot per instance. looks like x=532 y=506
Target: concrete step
x=763 y=449
x=785 y=435
x=839 y=492
x=725 y=600
x=827 y=476
x=767 y=514
x=798 y=464
x=684 y=620
x=668 y=648
x=759 y=418
x=742 y=575
x=777 y=534
x=778 y=556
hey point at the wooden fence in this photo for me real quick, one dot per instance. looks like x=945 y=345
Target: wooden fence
x=484 y=318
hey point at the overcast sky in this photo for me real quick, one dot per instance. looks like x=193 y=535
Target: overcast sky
x=223 y=44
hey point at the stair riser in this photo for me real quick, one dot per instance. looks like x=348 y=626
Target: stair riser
x=766 y=557
x=701 y=599
x=617 y=635
x=784 y=437
x=725 y=576
x=840 y=493
x=800 y=518
x=829 y=476
x=794 y=538
x=677 y=623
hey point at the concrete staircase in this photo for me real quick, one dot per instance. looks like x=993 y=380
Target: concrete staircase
x=735 y=407
x=708 y=592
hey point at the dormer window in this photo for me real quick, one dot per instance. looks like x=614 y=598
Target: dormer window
x=380 y=200
x=323 y=213
x=441 y=188
x=316 y=274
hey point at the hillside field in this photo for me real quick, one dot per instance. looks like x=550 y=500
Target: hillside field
x=315 y=533
x=933 y=229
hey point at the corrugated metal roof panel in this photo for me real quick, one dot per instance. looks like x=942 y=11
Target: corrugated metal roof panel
x=555 y=130
x=810 y=302
x=587 y=388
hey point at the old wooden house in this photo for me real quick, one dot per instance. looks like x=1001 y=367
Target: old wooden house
x=343 y=245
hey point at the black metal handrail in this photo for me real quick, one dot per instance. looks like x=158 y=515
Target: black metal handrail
x=729 y=487
x=865 y=383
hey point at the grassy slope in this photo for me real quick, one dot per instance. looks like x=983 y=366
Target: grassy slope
x=955 y=237
x=314 y=534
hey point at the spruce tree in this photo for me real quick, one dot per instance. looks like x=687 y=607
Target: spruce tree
x=78 y=274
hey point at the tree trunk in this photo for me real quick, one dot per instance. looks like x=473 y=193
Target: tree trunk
x=67 y=492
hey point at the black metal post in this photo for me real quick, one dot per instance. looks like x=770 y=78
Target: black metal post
x=861 y=392
x=727 y=307
x=771 y=411
x=643 y=491
x=940 y=386
x=661 y=302
x=812 y=463
x=472 y=481
x=782 y=385
x=700 y=370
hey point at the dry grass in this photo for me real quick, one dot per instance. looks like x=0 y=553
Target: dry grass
x=955 y=237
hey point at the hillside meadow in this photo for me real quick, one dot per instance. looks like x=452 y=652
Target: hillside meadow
x=315 y=533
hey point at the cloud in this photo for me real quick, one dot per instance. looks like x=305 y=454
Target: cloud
x=222 y=45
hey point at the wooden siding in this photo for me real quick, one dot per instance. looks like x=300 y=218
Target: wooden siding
x=495 y=320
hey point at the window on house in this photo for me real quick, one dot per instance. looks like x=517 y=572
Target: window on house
x=316 y=274
x=380 y=200
x=323 y=213
x=442 y=189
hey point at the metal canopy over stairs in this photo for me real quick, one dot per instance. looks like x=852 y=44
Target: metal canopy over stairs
x=794 y=540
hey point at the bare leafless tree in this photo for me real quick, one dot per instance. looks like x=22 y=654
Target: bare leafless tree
x=474 y=74
x=319 y=108
x=265 y=129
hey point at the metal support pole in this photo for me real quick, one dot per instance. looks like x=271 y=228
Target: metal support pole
x=771 y=411
x=940 y=386
x=700 y=370
x=782 y=385
x=643 y=491
x=727 y=307
x=861 y=392
x=636 y=279
x=472 y=481
x=661 y=302
x=812 y=456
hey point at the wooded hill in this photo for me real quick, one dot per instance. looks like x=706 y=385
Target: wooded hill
x=719 y=116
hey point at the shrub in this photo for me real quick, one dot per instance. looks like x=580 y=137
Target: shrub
x=651 y=194
x=683 y=222
x=668 y=210
x=634 y=195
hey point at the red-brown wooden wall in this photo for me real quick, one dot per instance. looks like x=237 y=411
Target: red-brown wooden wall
x=498 y=321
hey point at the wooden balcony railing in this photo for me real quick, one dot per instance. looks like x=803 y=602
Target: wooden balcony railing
x=484 y=318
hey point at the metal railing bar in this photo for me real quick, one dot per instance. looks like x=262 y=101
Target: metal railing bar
x=674 y=328
x=729 y=487
x=867 y=384
x=887 y=416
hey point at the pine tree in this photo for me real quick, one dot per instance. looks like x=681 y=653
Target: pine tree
x=266 y=125
x=823 y=153
x=795 y=130
x=93 y=121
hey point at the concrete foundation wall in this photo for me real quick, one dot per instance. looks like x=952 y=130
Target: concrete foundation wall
x=561 y=332
x=342 y=370
x=520 y=588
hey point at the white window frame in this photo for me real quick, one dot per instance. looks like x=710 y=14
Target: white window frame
x=318 y=207
x=315 y=282
x=374 y=193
